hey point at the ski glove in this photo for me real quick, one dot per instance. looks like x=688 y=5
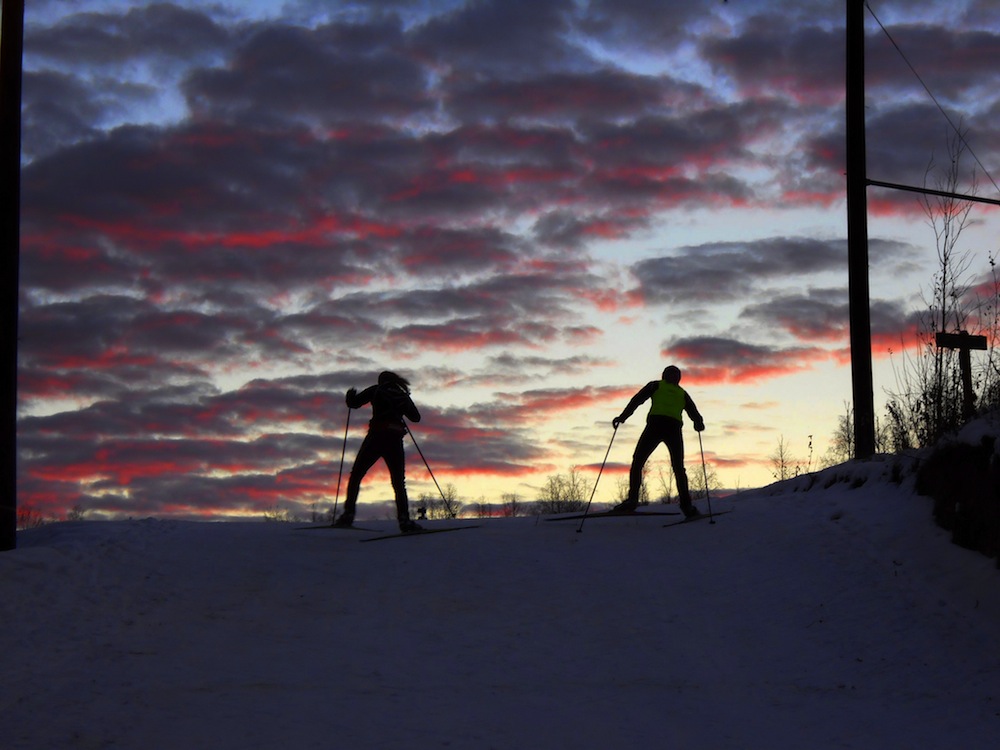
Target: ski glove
x=699 y=426
x=617 y=421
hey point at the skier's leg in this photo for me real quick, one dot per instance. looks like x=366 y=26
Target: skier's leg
x=395 y=460
x=675 y=445
x=683 y=488
x=648 y=441
x=368 y=454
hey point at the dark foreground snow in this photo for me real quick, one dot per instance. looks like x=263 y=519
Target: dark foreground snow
x=834 y=618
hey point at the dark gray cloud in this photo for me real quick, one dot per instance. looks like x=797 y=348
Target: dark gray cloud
x=318 y=76
x=215 y=198
x=769 y=59
x=718 y=359
x=820 y=316
x=157 y=30
x=500 y=37
x=59 y=109
x=622 y=23
x=568 y=96
x=731 y=270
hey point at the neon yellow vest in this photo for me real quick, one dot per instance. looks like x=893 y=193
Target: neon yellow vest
x=668 y=400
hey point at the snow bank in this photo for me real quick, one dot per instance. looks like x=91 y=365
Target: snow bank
x=834 y=617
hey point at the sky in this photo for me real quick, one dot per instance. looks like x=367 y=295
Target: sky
x=232 y=212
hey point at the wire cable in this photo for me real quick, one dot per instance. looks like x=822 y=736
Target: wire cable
x=931 y=95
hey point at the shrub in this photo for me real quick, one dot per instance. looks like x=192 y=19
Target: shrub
x=964 y=481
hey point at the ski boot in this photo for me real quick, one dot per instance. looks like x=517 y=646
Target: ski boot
x=624 y=507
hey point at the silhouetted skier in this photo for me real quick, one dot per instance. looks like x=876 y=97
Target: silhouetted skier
x=390 y=400
x=663 y=425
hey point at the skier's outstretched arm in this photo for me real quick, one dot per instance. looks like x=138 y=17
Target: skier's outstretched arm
x=356 y=400
x=692 y=411
x=646 y=391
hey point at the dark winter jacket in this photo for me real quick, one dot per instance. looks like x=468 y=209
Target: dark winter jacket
x=390 y=403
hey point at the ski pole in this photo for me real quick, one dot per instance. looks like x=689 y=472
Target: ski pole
x=705 y=472
x=340 y=474
x=417 y=446
x=607 y=453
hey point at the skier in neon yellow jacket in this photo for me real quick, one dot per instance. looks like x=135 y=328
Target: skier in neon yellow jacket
x=663 y=425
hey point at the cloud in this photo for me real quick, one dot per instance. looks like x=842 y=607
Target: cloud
x=527 y=368
x=160 y=30
x=722 y=360
x=621 y=23
x=567 y=96
x=331 y=79
x=766 y=60
x=191 y=447
x=233 y=213
x=823 y=316
x=499 y=37
x=727 y=270
x=59 y=109
x=724 y=271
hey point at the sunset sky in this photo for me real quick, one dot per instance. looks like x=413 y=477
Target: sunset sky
x=233 y=211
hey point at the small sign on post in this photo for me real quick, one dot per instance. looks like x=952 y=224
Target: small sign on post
x=965 y=344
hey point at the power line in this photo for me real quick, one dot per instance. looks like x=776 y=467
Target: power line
x=929 y=191
x=931 y=95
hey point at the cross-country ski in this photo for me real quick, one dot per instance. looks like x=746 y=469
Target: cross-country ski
x=333 y=527
x=701 y=517
x=616 y=514
x=418 y=532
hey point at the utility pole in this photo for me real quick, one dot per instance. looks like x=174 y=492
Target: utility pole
x=857 y=235
x=11 y=45
x=857 y=232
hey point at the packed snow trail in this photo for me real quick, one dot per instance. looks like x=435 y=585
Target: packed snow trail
x=834 y=618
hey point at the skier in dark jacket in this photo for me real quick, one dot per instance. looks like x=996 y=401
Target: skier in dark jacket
x=390 y=400
x=663 y=425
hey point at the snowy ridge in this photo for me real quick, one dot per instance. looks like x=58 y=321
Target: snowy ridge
x=835 y=617
x=883 y=468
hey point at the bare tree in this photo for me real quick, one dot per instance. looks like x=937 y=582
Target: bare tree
x=29 y=518
x=841 y=448
x=698 y=477
x=511 y=504
x=783 y=464
x=622 y=487
x=665 y=481
x=988 y=380
x=562 y=493
x=278 y=514
x=444 y=505
x=928 y=401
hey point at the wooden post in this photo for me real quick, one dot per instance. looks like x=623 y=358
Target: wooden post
x=965 y=344
x=11 y=44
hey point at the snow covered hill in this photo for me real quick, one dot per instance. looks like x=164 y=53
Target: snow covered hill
x=840 y=617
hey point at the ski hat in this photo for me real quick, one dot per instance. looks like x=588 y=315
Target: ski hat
x=672 y=374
